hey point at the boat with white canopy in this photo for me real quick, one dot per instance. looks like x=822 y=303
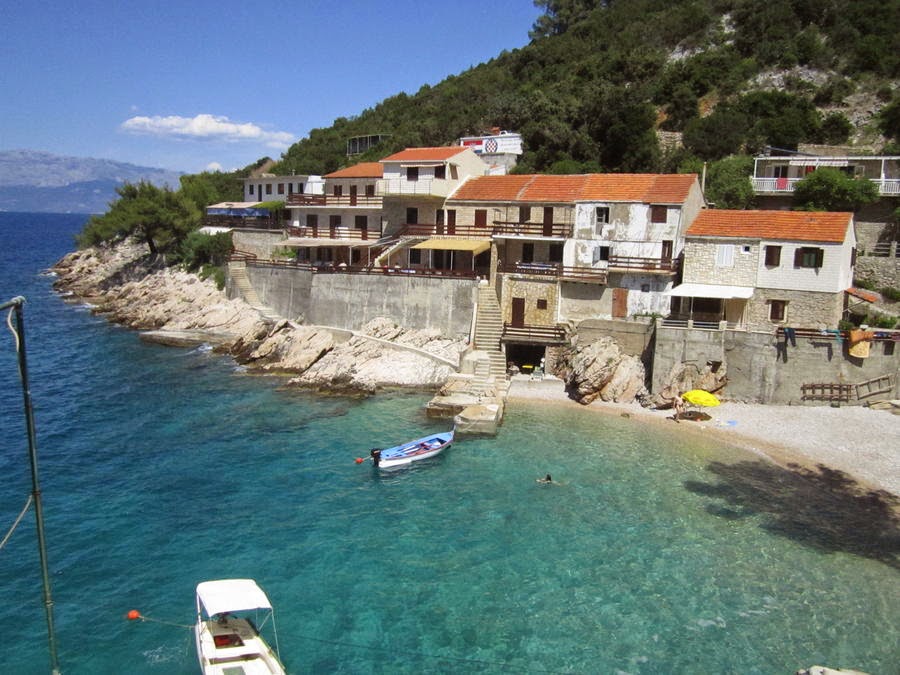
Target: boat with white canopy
x=230 y=615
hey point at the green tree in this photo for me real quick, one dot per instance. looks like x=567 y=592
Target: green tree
x=156 y=216
x=828 y=189
x=728 y=183
x=889 y=119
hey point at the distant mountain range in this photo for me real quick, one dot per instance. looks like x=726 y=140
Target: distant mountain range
x=36 y=181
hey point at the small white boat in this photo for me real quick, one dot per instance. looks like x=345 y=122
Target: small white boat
x=228 y=640
x=403 y=455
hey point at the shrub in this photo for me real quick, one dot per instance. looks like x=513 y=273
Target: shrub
x=890 y=293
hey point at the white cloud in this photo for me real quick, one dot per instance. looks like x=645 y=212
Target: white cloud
x=213 y=166
x=208 y=127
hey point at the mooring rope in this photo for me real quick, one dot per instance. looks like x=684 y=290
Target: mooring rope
x=12 y=329
x=18 y=520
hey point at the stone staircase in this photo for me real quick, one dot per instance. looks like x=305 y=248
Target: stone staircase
x=489 y=330
x=237 y=270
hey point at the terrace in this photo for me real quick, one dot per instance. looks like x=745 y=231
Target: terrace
x=335 y=201
x=557 y=271
x=779 y=175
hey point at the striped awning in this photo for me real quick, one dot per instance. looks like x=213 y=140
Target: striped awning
x=711 y=291
x=476 y=246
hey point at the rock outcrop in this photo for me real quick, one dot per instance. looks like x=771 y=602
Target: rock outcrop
x=132 y=288
x=600 y=370
x=686 y=376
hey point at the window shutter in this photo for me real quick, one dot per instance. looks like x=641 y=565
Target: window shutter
x=798 y=257
x=820 y=257
x=725 y=255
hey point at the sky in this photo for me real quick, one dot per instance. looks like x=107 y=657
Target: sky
x=195 y=85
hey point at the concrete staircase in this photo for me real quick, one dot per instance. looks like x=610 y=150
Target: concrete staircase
x=382 y=259
x=237 y=270
x=489 y=330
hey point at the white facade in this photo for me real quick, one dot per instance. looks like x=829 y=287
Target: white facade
x=269 y=187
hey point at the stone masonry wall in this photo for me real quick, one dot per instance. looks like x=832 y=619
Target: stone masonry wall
x=805 y=309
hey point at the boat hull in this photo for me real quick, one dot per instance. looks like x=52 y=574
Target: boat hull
x=403 y=455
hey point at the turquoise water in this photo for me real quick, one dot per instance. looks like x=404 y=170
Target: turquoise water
x=164 y=467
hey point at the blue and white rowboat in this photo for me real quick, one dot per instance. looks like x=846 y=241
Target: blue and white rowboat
x=403 y=455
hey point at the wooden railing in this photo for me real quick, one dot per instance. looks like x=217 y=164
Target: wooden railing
x=511 y=227
x=644 y=264
x=334 y=200
x=825 y=391
x=556 y=270
x=340 y=268
x=250 y=222
x=551 y=335
x=332 y=232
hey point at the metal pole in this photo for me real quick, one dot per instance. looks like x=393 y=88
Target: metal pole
x=35 y=486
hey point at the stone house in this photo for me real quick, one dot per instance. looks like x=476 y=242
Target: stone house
x=760 y=270
x=342 y=223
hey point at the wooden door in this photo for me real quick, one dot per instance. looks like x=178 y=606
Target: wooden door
x=620 y=303
x=548 y=221
x=352 y=195
x=518 y=312
x=667 y=249
x=451 y=221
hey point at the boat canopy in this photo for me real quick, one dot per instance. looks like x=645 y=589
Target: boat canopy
x=231 y=595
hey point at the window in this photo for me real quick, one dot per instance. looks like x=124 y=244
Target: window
x=601 y=253
x=809 y=256
x=480 y=217
x=542 y=304
x=645 y=288
x=602 y=213
x=524 y=214
x=338 y=190
x=725 y=255
x=312 y=220
x=658 y=214
x=290 y=188
x=415 y=256
x=268 y=188
x=745 y=249
x=888 y=348
x=412 y=173
x=361 y=222
x=281 y=188
x=773 y=256
x=252 y=187
x=334 y=221
x=412 y=216
x=556 y=253
x=300 y=188
x=370 y=190
x=527 y=253
x=777 y=310
x=440 y=172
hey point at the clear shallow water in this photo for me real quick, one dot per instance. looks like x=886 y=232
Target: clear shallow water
x=163 y=467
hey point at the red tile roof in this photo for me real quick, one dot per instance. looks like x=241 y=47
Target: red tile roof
x=645 y=188
x=863 y=294
x=361 y=170
x=780 y=225
x=425 y=154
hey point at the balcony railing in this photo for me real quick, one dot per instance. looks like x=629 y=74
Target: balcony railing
x=425 y=187
x=248 y=222
x=515 y=228
x=340 y=268
x=331 y=232
x=557 y=271
x=624 y=262
x=886 y=187
x=336 y=201
x=534 y=334
x=427 y=230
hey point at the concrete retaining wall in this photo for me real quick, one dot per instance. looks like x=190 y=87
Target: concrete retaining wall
x=764 y=370
x=634 y=338
x=352 y=300
x=260 y=243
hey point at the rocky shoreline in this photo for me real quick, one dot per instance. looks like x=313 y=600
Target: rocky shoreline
x=174 y=307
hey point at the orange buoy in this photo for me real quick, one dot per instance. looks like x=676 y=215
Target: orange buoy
x=134 y=614
x=360 y=460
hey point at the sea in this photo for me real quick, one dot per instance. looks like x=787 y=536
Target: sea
x=162 y=467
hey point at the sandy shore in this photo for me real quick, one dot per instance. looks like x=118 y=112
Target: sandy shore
x=861 y=442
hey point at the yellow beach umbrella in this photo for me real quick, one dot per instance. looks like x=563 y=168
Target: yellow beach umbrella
x=700 y=397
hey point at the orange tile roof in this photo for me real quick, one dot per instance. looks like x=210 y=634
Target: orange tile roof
x=787 y=225
x=612 y=187
x=361 y=170
x=425 y=154
x=863 y=294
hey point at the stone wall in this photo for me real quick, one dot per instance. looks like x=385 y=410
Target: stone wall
x=881 y=272
x=804 y=309
x=351 y=300
x=634 y=338
x=532 y=290
x=763 y=369
x=260 y=243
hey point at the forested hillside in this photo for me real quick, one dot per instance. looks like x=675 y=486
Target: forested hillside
x=601 y=78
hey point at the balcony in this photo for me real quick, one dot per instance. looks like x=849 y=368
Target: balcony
x=332 y=232
x=888 y=187
x=557 y=271
x=335 y=201
x=534 y=334
x=424 y=187
x=508 y=228
x=622 y=263
x=440 y=230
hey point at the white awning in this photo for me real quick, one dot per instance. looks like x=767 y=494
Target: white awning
x=476 y=246
x=815 y=161
x=711 y=291
x=231 y=595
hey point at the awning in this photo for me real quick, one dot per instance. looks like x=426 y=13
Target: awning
x=231 y=595
x=243 y=209
x=312 y=242
x=815 y=161
x=711 y=291
x=476 y=246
